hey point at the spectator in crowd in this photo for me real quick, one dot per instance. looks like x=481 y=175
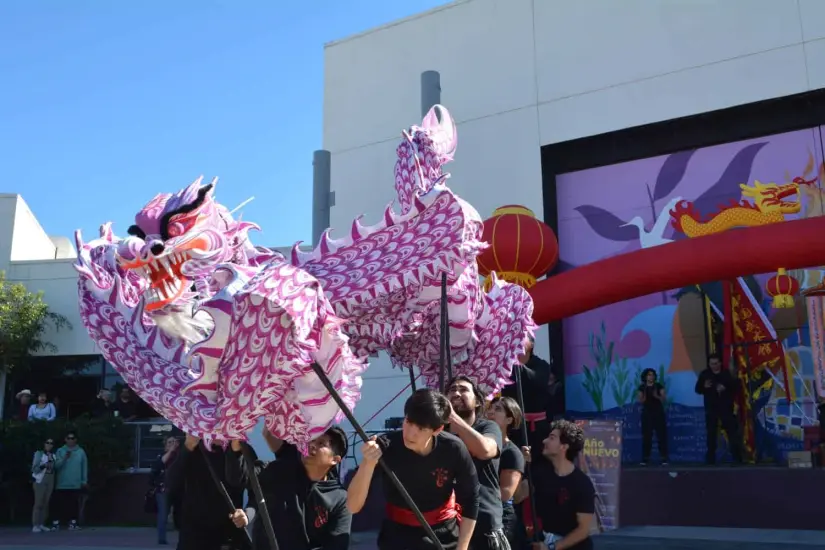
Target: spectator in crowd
x=42 y=410
x=43 y=467
x=159 y=484
x=72 y=478
x=58 y=403
x=102 y=403
x=126 y=406
x=24 y=399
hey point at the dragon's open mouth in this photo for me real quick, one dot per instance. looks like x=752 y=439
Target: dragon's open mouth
x=163 y=273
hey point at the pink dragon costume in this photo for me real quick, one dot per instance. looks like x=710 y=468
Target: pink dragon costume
x=215 y=333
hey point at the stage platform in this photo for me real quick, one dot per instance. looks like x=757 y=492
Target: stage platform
x=709 y=538
x=755 y=497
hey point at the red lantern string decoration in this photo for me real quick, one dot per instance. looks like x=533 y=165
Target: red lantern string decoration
x=782 y=288
x=522 y=248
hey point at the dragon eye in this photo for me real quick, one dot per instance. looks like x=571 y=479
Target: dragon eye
x=136 y=231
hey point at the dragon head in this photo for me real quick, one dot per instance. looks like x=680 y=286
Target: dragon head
x=421 y=155
x=176 y=242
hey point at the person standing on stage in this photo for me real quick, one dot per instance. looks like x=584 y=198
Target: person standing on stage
x=718 y=387
x=506 y=413
x=535 y=378
x=304 y=497
x=651 y=395
x=484 y=441
x=205 y=523
x=434 y=467
x=565 y=497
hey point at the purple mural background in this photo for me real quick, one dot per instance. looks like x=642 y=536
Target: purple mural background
x=594 y=207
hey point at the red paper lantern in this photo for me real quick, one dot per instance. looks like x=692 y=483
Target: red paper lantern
x=782 y=287
x=522 y=248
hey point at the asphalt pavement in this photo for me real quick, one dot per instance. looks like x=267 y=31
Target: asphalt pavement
x=630 y=538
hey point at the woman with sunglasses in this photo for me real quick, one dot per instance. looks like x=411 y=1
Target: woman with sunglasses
x=43 y=483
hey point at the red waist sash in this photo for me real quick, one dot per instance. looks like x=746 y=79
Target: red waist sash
x=448 y=510
x=532 y=418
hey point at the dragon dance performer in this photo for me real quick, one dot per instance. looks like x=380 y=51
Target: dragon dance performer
x=204 y=522
x=535 y=376
x=483 y=439
x=305 y=499
x=437 y=470
x=507 y=414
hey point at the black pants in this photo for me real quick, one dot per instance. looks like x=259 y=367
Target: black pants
x=513 y=528
x=490 y=540
x=731 y=427
x=394 y=536
x=654 y=422
x=66 y=505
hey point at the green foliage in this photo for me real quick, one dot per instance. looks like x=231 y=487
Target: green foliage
x=24 y=318
x=108 y=444
x=623 y=386
x=595 y=379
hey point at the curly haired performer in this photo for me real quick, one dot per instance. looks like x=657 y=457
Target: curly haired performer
x=565 y=497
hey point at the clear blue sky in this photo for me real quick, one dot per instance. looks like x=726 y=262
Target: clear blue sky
x=104 y=103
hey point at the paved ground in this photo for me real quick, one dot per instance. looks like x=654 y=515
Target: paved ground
x=631 y=538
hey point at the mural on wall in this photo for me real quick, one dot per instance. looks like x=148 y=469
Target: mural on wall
x=616 y=209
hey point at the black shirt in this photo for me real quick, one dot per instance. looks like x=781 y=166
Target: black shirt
x=305 y=514
x=203 y=506
x=430 y=480
x=511 y=459
x=489 y=493
x=125 y=409
x=535 y=375
x=559 y=499
x=715 y=401
x=651 y=404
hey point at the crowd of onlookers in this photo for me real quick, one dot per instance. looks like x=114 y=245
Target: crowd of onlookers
x=59 y=479
x=127 y=406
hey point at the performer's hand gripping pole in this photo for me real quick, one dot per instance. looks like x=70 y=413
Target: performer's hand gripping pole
x=221 y=487
x=529 y=468
x=255 y=483
x=363 y=435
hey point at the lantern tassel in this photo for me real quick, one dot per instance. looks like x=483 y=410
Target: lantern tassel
x=783 y=301
x=524 y=280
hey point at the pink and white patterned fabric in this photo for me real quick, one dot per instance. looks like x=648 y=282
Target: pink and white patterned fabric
x=215 y=333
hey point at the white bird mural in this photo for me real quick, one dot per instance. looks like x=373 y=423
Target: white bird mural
x=655 y=236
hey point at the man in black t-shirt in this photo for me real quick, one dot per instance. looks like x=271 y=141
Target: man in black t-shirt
x=651 y=394
x=434 y=467
x=305 y=499
x=718 y=387
x=483 y=439
x=565 y=497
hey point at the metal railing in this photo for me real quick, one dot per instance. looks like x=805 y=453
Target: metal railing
x=149 y=439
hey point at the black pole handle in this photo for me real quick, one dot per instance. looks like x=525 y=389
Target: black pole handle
x=390 y=474
x=446 y=356
x=528 y=470
x=255 y=483
x=221 y=487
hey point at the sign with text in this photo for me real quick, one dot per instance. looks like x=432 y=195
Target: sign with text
x=601 y=460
